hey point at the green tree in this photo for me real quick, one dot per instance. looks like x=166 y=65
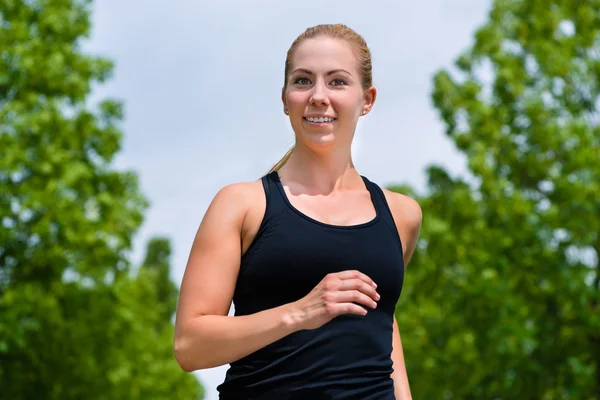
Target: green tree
x=502 y=295
x=76 y=322
x=146 y=368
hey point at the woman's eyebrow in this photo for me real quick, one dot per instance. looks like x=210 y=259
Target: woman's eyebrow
x=309 y=72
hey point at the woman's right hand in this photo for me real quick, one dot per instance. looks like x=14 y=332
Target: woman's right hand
x=335 y=295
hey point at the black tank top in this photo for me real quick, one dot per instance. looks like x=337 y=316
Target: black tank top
x=348 y=357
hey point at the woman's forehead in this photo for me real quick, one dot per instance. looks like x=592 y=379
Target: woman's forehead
x=324 y=54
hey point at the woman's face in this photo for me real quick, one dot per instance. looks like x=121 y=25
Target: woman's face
x=324 y=95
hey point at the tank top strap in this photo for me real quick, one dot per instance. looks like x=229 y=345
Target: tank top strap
x=275 y=202
x=382 y=207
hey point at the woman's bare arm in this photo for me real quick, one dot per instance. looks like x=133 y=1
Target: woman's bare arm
x=205 y=336
x=407 y=215
x=399 y=376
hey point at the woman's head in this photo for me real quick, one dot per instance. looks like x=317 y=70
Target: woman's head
x=340 y=32
x=327 y=87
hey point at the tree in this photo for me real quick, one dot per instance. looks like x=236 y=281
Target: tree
x=75 y=321
x=503 y=291
x=146 y=367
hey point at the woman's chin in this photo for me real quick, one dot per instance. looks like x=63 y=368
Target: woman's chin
x=319 y=138
x=320 y=143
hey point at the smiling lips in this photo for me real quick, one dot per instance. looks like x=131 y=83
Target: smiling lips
x=319 y=120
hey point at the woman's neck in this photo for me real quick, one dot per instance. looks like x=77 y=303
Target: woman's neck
x=322 y=172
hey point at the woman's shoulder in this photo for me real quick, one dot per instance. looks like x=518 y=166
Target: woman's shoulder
x=236 y=199
x=240 y=190
x=407 y=216
x=403 y=207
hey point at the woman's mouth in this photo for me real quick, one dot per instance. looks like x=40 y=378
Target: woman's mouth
x=319 y=120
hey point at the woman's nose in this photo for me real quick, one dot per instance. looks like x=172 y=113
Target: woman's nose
x=319 y=95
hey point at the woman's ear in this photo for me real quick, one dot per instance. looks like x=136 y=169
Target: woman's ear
x=284 y=101
x=370 y=97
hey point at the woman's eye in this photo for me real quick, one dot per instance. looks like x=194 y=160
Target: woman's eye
x=338 y=82
x=302 y=81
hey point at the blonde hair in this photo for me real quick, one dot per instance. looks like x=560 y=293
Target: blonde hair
x=334 y=31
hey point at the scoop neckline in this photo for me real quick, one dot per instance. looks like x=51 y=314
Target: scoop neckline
x=324 y=224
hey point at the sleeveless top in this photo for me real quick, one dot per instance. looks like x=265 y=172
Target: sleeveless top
x=350 y=356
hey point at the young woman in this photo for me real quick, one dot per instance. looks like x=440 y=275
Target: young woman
x=312 y=254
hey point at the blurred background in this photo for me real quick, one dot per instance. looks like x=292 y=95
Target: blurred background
x=119 y=122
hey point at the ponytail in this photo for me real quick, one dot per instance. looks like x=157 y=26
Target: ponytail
x=282 y=162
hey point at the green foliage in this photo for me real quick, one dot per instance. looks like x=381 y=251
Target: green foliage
x=75 y=322
x=502 y=294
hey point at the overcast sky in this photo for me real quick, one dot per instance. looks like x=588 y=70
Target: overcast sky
x=201 y=82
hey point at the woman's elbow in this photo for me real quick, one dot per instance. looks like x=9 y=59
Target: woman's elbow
x=181 y=354
x=190 y=359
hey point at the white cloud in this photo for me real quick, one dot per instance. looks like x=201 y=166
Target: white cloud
x=201 y=84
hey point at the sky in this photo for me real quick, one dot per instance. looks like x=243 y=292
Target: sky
x=201 y=85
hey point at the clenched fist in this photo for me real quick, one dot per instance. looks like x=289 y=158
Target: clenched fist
x=335 y=295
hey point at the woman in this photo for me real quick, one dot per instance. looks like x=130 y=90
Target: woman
x=312 y=254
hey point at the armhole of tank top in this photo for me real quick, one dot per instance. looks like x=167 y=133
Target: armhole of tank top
x=394 y=226
x=263 y=221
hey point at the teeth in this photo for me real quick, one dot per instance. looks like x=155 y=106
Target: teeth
x=321 y=119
